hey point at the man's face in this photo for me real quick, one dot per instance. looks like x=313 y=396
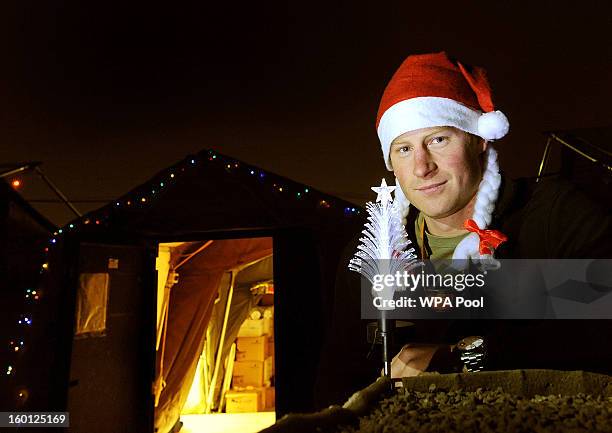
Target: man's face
x=439 y=169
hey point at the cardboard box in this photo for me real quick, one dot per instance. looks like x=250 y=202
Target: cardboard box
x=251 y=328
x=251 y=348
x=251 y=400
x=260 y=390
x=268 y=369
x=271 y=347
x=248 y=373
x=268 y=325
x=269 y=394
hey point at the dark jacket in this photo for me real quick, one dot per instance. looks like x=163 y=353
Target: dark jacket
x=546 y=219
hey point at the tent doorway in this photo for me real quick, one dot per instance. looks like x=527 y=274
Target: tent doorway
x=215 y=336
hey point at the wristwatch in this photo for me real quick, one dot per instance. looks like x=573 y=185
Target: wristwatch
x=473 y=353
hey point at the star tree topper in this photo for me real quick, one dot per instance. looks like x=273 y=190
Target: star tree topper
x=384 y=192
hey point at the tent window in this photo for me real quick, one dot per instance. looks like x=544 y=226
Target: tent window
x=91 y=305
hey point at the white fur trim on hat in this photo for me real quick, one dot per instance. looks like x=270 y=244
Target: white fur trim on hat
x=486 y=197
x=430 y=111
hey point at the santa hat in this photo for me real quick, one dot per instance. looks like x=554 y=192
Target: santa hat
x=432 y=90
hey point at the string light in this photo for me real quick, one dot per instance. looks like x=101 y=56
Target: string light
x=32 y=294
x=16 y=183
x=229 y=164
x=22 y=396
x=17 y=347
x=24 y=320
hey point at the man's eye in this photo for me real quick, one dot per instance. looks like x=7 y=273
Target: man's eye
x=404 y=149
x=438 y=140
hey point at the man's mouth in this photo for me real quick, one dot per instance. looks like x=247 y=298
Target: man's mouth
x=431 y=188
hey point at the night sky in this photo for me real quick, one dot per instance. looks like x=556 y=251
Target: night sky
x=106 y=94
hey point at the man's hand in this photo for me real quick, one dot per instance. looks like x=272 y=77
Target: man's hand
x=416 y=358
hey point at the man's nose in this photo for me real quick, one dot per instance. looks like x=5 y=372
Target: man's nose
x=424 y=165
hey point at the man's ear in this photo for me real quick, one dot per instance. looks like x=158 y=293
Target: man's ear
x=484 y=144
x=478 y=144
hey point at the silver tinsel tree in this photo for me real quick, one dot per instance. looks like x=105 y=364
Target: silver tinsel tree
x=383 y=250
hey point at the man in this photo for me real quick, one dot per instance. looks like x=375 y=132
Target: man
x=436 y=122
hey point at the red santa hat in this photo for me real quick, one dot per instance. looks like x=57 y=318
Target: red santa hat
x=432 y=90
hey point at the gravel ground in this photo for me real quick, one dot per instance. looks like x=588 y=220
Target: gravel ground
x=485 y=411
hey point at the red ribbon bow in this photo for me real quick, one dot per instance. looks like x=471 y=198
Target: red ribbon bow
x=489 y=239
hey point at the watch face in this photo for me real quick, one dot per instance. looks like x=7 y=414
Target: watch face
x=470 y=343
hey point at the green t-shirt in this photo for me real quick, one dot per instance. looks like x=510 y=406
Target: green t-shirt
x=439 y=247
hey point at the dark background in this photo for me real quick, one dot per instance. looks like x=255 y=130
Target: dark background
x=108 y=93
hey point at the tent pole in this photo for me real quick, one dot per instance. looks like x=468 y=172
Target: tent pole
x=544 y=159
x=206 y=369
x=57 y=192
x=227 y=379
x=211 y=391
x=578 y=151
x=192 y=255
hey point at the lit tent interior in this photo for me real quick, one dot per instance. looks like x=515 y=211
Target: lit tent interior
x=123 y=253
x=211 y=298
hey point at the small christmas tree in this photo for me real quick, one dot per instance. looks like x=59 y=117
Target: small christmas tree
x=383 y=251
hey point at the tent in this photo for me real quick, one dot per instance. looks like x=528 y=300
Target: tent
x=24 y=234
x=583 y=156
x=237 y=215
